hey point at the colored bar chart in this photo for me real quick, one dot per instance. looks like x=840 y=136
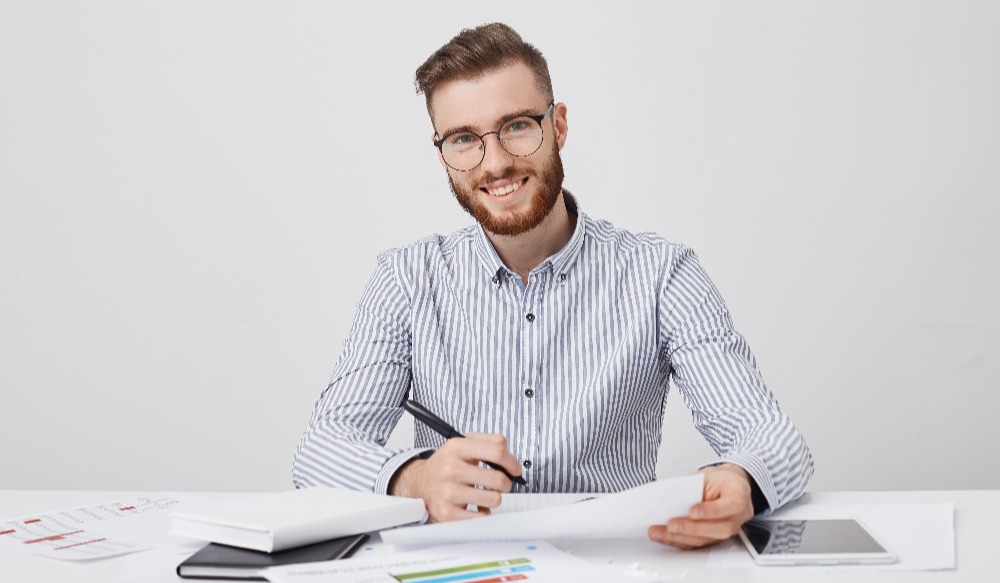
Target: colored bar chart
x=489 y=572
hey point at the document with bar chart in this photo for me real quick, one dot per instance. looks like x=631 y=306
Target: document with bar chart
x=528 y=562
x=83 y=533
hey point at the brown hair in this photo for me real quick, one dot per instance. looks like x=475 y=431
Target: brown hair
x=477 y=51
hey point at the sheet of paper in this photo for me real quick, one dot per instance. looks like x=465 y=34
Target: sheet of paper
x=97 y=531
x=625 y=514
x=531 y=562
x=922 y=535
x=522 y=502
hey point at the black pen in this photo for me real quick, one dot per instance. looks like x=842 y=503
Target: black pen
x=440 y=426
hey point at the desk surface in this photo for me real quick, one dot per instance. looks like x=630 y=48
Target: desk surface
x=976 y=515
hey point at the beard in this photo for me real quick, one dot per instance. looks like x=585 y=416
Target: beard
x=545 y=197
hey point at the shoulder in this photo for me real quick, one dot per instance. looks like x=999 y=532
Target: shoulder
x=604 y=238
x=429 y=254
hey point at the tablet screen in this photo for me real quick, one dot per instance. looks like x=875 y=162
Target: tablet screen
x=810 y=537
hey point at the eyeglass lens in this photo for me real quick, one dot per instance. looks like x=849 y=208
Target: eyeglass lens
x=520 y=137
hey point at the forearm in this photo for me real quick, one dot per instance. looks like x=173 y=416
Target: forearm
x=344 y=444
x=332 y=455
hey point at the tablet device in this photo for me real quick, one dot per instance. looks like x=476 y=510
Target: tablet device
x=813 y=542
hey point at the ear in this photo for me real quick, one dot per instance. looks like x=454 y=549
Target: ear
x=434 y=138
x=559 y=120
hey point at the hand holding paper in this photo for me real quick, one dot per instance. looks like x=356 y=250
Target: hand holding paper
x=724 y=508
x=626 y=514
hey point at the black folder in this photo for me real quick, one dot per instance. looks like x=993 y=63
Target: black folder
x=216 y=561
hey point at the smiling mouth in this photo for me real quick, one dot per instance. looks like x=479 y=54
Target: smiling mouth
x=500 y=191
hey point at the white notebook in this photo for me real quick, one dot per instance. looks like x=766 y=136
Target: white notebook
x=284 y=520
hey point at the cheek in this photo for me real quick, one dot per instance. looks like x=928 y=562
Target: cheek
x=457 y=178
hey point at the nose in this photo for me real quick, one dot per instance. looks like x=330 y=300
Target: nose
x=495 y=158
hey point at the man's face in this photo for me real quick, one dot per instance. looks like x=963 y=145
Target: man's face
x=508 y=195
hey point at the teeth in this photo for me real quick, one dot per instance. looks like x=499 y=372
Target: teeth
x=503 y=191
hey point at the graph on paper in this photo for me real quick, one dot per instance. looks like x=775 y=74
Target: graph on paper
x=482 y=562
x=74 y=534
x=490 y=572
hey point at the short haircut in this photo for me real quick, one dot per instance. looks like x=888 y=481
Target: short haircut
x=477 y=51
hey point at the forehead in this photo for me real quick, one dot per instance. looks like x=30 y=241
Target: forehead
x=480 y=102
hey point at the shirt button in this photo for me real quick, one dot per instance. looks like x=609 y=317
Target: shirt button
x=526 y=464
x=530 y=317
x=562 y=277
x=529 y=393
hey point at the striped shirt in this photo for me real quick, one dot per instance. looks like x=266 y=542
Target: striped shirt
x=573 y=367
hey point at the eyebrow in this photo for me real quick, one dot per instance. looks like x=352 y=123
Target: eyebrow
x=499 y=122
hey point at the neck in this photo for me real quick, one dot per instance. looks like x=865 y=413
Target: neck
x=524 y=252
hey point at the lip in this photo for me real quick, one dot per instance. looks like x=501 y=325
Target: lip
x=492 y=187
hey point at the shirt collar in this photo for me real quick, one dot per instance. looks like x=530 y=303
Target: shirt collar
x=560 y=262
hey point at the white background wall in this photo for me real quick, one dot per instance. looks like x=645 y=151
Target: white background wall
x=192 y=196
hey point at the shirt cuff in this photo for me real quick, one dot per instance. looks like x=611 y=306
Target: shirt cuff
x=392 y=465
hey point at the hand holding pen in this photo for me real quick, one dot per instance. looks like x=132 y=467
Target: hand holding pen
x=448 y=432
x=452 y=478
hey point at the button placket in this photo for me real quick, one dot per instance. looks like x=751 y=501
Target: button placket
x=530 y=347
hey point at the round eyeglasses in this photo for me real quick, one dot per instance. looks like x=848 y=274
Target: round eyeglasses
x=519 y=136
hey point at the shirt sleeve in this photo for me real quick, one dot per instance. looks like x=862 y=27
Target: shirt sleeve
x=344 y=444
x=717 y=376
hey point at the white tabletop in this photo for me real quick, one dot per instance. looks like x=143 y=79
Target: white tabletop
x=976 y=514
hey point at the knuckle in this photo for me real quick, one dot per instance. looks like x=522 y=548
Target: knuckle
x=492 y=438
x=450 y=491
x=448 y=473
x=497 y=451
x=492 y=499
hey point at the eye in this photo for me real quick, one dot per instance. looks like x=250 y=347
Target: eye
x=461 y=140
x=518 y=126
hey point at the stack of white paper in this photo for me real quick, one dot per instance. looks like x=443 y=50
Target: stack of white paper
x=274 y=522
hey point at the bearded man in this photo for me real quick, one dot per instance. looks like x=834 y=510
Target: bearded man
x=547 y=336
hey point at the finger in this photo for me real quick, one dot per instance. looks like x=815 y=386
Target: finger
x=490 y=479
x=660 y=534
x=454 y=502
x=492 y=448
x=471 y=474
x=706 y=529
x=491 y=437
x=483 y=498
x=445 y=513
x=462 y=484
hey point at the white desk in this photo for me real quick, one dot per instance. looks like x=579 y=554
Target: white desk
x=977 y=514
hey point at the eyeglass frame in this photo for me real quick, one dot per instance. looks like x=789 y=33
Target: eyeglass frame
x=537 y=118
